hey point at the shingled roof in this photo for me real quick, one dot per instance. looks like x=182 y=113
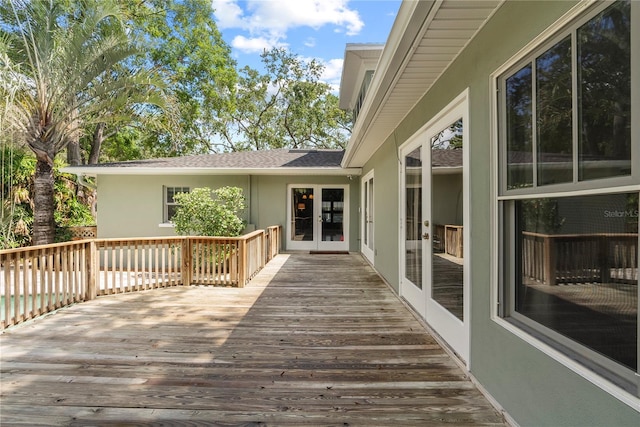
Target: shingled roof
x=440 y=158
x=280 y=161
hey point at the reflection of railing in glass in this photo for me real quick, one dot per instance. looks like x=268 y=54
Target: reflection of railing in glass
x=580 y=258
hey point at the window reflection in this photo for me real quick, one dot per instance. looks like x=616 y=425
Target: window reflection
x=604 y=45
x=578 y=271
x=554 y=114
x=519 y=129
x=413 y=213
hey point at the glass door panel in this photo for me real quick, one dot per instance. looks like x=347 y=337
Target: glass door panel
x=332 y=215
x=445 y=211
x=446 y=216
x=413 y=245
x=413 y=217
x=302 y=209
x=367 y=246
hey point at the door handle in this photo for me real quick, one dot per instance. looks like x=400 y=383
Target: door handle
x=425 y=236
x=320 y=218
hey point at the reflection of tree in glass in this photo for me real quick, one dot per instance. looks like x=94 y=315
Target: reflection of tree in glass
x=449 y=138
x=632 y=214
x=604 y=67
x=541 y=216
x=518 y=106
x=553 y=98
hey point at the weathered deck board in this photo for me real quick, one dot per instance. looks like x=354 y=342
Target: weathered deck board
x=313 y=340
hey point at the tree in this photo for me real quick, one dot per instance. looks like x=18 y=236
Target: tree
x=287 y=106
x=182 y=42
x=70 y=60
x=203 y=212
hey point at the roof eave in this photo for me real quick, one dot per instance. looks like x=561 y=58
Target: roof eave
x=356 y=62
x=380 y=115
x=96 y=171
x=403 y=33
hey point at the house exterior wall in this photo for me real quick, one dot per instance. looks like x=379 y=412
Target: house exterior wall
x=385 y=207
x=269 y=200
x=533 y=387
x=132 y=206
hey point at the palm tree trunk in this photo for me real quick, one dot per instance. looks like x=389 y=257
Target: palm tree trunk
x=96 y=146
x=74 y=157
x=43 y=222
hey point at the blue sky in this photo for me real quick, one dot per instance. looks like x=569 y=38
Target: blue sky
x=317 y=29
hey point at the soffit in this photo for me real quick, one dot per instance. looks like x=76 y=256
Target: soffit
x=433 y=34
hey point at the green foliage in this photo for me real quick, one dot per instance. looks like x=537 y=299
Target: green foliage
x=541 y=216
x=123 y=145
x=72 y=54
x=287 y=106
x=16 y=213
x=203 y=212
x=180 y=39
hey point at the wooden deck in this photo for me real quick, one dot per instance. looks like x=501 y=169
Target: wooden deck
x=312 y=340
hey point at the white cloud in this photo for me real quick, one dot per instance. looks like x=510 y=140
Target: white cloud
x=310 y=42
x=228 y=14
x=332 y=70
x=254 y=44
x=272 y=19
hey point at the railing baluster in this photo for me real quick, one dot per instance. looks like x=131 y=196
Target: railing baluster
x=6 y=290
x=39 y=280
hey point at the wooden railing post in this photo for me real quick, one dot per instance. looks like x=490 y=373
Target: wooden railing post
x=187 y=261
x=242 y=263
x=263 y=248
x=549 y=261
x=92 y=269
x=605 y=262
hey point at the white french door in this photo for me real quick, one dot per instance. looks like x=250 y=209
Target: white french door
x=318 y=217
x=435 y=218
x=366 y=220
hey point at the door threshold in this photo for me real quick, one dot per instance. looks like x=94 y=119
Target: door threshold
x=329 y=252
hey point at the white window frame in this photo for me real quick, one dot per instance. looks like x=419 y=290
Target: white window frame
x=166 y=221
x=579 y=14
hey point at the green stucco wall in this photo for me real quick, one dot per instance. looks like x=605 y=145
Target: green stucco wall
x=385 y=206
x=132 y=205
x=531 y=386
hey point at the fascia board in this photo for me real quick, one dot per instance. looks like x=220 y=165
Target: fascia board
x=93 y=172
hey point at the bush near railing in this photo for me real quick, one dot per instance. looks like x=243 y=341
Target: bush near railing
x=39 y=279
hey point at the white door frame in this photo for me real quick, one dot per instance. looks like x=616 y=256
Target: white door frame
x=316 y=215
x=454 y=331
x=409 y=291
x=367 y=242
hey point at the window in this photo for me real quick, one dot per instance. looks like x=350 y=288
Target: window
x=364 y=87
x=170 y=205
x=568 y=193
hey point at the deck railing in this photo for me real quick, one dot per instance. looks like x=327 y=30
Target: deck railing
x=580 y=258
x=39 y=279
x=448 y=238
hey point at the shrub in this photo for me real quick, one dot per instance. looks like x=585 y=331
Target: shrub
x=203 y=212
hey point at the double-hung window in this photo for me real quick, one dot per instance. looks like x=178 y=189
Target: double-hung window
x=170 y=204
x=568 y=186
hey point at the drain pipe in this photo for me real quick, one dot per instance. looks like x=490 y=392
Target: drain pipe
x=249 y=200
x=93 y=187
x=82 y=181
